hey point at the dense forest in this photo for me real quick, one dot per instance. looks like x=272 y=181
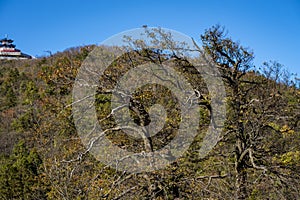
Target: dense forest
x=257 y=155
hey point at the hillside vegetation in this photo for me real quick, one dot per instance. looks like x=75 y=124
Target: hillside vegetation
x=256 y=157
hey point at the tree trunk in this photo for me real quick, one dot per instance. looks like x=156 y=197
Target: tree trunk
x=241 y=186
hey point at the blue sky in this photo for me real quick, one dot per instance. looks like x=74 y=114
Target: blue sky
x=270 y=27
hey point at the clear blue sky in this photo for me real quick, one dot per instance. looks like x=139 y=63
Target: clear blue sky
x=270 y=27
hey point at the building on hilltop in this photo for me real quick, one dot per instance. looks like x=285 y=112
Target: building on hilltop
x=9 y=52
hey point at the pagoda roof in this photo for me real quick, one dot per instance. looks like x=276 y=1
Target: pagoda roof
x=8 y=45
x=6 y=40
x=8 y=50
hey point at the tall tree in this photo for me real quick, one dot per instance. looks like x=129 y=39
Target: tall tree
x=255 y=104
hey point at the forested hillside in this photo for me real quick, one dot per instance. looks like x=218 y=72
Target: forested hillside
x=257 y=155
